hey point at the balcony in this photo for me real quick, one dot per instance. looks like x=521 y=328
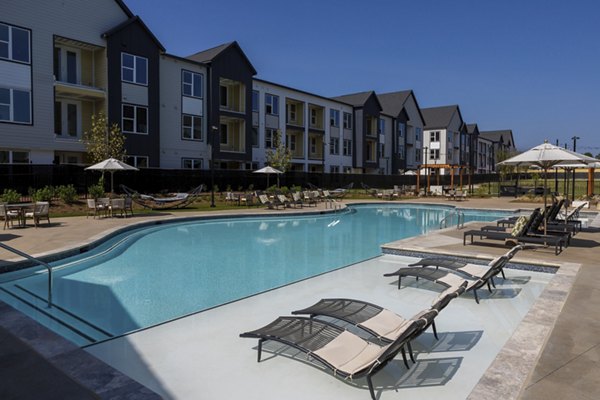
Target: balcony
x=295 y=143
x=294 y=113
x=316 y=117
x=316 y=147
x=232 y=96
x=80 y=70
x=371 y=127
x=232 y=135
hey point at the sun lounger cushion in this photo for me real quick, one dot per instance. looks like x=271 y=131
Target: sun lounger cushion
x=519 y=226
x=386 y=324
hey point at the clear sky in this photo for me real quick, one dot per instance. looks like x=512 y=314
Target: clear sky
x=532 y=66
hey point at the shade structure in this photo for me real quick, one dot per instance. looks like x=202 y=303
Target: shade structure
x=111 y=165
x=268 y=170
x=546 y=156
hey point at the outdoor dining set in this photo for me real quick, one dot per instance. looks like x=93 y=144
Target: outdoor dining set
x=20 y=212
x=107 y=207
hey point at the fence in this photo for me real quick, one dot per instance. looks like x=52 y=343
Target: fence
x=151 y=180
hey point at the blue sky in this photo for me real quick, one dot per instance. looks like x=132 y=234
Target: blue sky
x=531 y=66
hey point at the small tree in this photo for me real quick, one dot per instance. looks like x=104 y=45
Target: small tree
x=280 y=157
x=102 y=141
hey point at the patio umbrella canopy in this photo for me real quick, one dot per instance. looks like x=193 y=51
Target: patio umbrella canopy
x=267 y=170
x=546 y=156
x=111 y=165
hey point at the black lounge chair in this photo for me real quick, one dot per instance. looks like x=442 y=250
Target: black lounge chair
x=521 y=234
x=346 y=354
x=385 y=325
x=450 y=278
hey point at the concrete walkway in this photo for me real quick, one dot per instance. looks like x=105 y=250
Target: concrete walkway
x=569 y=362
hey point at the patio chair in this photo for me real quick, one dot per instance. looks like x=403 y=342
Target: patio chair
x=95 y=208
x=41 y=210
x=117 y=206
x=385 y=325
x=7 y=216
x=346 y=354
x=128 y=208
x=449 y=278
x=309 y=198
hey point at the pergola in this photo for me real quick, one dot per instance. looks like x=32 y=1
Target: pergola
x=452 y=168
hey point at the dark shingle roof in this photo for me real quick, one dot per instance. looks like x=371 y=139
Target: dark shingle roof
x=393 y=103
x=130 y=21
x=439 y=117
x=207 y=56
x=355 y=99
x=504 y=136
x=471 y=128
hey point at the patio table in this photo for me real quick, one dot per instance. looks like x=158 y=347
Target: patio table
x=21 y=209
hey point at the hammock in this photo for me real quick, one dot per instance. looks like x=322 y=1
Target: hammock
x=179 y=200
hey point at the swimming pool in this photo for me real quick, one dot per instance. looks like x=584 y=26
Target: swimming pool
x=147 y=276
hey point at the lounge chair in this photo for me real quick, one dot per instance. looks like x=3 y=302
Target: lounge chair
x=385 y=325
x=449 y=278
x=346 y=354
x=297 y=200
x=283 y=200
x=520 y=234
x=41 y=210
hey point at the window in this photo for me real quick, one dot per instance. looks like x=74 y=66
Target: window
x=334 y=118
x=138 y=161
x=334 y=146
x=255 y=101
x=223 y=96
x=401 y=129
x=418 y=134
x=14 y=157
x=292 y=113
x=254 y=136
x=271 y=104
x=15 y=105
x=134 y=69
x=191 y=127
x=191 y=83
x=224 y=134
x=313 y=145
x=135 y=119
x=191 y=163
x=72 y=119
x=381 y=150
x=418 y=155
x=347 y=147
x=347 y=120
x=401 y=151
x=334 y=169
x=434 y=154
x=381 y=126
x=313 y=116
x=269 y=138
x=434 y=136
x=291 y=142
x=15 y=43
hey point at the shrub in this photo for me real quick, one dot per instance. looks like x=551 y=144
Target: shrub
x=96 y=191
x=44 y=194
x=67 y=194
x=10 y=196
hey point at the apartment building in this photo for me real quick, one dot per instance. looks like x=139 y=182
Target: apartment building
x=485 y=156
x=62 y=62
x=366 y=115
x=407 y=134
x=441 y=138
x=317 y=130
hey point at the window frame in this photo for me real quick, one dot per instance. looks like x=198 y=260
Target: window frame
x=135 y=119
x=269 y=138
x=194 y=161
x=334 y=118
x=192 y=127
x=271 y=104
x=193 y=75
x=334 y=146
x=133 y=161
x=11 y=106
x=134 y=69
x=255 y=104
x=10 y=53
x=347 y=120
x=347 y=147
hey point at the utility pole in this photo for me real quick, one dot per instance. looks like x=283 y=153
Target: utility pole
x=574 y=149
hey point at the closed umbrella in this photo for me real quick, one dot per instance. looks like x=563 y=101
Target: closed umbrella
x=268 y=170
x=112 y=165
x=545 y=156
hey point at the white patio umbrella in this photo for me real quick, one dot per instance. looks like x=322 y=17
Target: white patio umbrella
x=268 y=170
x=111 y=165
x=545 y=156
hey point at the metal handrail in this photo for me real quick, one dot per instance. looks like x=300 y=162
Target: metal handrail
x=460 y=219
x=30 y=258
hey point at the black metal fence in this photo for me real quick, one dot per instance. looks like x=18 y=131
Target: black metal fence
x=150 y=180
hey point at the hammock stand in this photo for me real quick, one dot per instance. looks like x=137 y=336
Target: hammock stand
x=180 y=200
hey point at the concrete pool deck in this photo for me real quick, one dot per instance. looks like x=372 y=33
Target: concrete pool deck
x=567 y=362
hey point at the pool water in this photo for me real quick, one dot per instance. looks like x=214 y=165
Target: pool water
x=151 y=275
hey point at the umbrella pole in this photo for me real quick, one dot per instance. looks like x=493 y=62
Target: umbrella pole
x=111 y=182
x=545 y=195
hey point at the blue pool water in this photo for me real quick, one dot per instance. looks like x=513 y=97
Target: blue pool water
x=147 y=276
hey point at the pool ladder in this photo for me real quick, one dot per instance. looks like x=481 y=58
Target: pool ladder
x=460 y=222
x=30 y=258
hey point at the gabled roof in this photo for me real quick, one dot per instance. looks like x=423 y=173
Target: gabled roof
x=501 y=136
x=207 y=56
x=299 y=91
x=358 y=99
x=393 y=102
x=134 y=20
x=472 y=128
x=440 y=117
x=124 y=7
